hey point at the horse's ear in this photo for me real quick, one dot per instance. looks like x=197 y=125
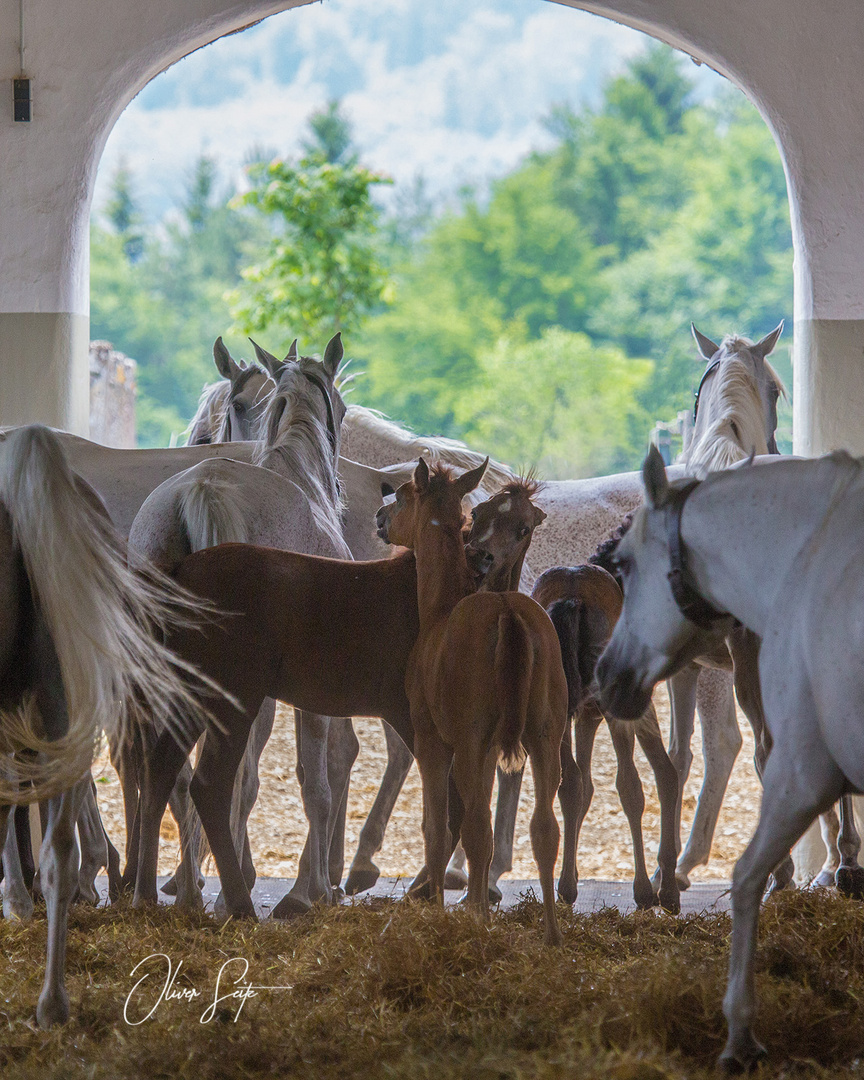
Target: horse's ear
x=421 y=476
x=469 y=480
x=706 y=346
x=766 y=346
x=225 y=363
x=539 y=516
x=387 y=489
x=267 y=360
x=292 y=352
x=654 y=478
x=333 y=355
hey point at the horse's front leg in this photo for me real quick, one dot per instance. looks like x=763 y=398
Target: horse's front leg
x=632 y=797
x=17 y=901
x=795 y=791
x=58 y=865
x=509 y=787
x=681 y=688
x=364 y=873
x=342 y=750
x=313 y=878
x=721 y=741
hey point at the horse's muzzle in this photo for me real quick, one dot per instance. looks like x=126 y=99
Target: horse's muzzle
x=620 y=692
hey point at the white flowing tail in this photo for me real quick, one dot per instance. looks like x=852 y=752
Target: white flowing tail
x=106 y=621
x=213 y=513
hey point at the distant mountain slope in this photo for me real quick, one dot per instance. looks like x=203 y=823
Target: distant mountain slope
x=453 y=90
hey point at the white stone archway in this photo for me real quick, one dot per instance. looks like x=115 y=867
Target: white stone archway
x=800 y=64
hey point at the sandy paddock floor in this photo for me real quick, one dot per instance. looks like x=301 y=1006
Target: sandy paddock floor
x=278 y=826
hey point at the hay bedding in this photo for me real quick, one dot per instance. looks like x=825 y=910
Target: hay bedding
x=408 y=991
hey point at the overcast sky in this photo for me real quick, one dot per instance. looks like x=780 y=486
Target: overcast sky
x=453 y=90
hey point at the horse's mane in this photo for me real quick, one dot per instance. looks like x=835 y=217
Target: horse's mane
x=437 y=447
x=603 y=556
x=205 y=426
x=737 y=426
x=210 y=412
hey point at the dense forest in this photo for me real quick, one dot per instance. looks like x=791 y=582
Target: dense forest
x=543 y=318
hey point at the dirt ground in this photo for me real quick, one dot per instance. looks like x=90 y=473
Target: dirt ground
x=277 y=826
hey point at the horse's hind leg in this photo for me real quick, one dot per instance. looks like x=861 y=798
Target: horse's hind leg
x=849 y=876
x=509 y=787
x=632 y=797
x=245 y=795
x=59 y=876
x=545 y=754
x=211 y=786
x=313 y=879
x=721 y=741
x=17 y=901
x=666 y=780
x=570 y=796
x=187 y=880
x=94 y=846
x=342 y=750
x=474 y=774
x=364 y=873
x=161 y=766
x=588 y=719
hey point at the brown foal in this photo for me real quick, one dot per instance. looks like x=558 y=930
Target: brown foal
x=484 y=680
x=310 y=631
x=584 y=603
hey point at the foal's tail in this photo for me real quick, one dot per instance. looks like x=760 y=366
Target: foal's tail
x=514 y=664
x=105 y=621
x=213 y=513
x=582 y=635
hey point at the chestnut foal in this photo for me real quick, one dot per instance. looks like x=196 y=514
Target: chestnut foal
x=584 y=603
x=485 y=681
x=303 y=629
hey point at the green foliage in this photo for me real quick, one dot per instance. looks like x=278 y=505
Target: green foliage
x=331 y=135
x=321 y=271
x=560 y=403
x=650 y=212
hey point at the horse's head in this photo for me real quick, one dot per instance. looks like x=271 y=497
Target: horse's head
x=736 y=401
x=501 y=531
x=428 y=499
x=653 y=637
x=247 y=397
x=305 y=392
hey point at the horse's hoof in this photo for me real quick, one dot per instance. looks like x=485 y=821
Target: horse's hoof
x=290 y=907
x=682 y=879
x=823 y=880
x=670 y=899
x=338 y=894
x=360 y=880
x=568 y=890
x=643 y=894
x=456 y=880
x=742 y=1056
x=850 y=881
x=495 y=894
x=170 y=886
x=18 y=910
x=53 y=1008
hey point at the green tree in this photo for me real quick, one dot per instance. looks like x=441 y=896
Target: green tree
x=123 y=214
x=332 y=138
x=321 y=271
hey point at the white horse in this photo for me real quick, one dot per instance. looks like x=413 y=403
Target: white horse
x=735 y=415
x=79 y=656
x=230 y=410
x=778 y=549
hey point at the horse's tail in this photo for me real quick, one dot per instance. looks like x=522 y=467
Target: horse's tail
x=514 y=664
x=581 y=646
x=213 y=512
x=104 y=620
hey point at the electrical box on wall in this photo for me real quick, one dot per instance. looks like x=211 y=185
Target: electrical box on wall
x=21 y=100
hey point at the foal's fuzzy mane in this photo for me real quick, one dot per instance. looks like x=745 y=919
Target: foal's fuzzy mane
x=527 y=486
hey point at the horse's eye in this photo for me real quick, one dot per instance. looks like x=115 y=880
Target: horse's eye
x=239 y=407
x=474 y=513
x=523 y=532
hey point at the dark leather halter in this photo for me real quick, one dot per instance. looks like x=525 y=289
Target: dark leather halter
x=712 y=367
x=690 y=603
